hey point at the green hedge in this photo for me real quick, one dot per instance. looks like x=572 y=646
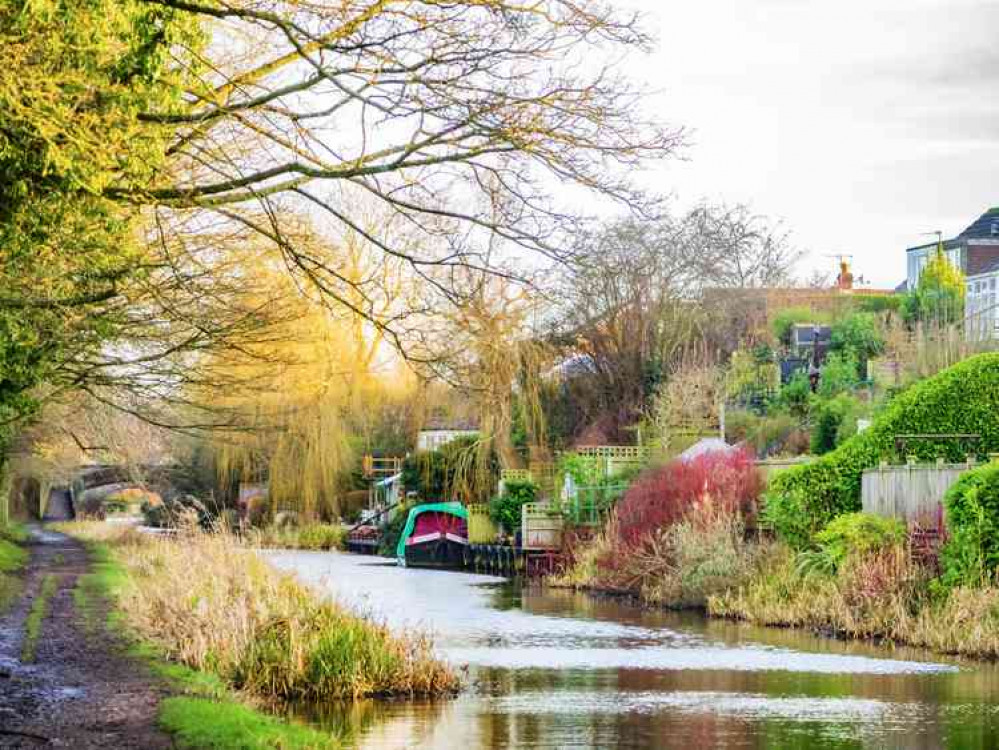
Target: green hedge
x=961 y=399
x=971 y=554
x=505 y=509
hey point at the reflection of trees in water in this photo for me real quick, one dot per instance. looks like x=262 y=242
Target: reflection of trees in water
x=388 y=723
x=690 y=709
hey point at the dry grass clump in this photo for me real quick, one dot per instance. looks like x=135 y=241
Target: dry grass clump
x=312 y=536
x=884 y=595
x=679 y=565
x=704 y=554
x=212 y=605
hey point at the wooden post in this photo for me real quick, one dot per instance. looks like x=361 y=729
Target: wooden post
x=5 y=487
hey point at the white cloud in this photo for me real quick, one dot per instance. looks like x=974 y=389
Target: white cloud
x=861 y=123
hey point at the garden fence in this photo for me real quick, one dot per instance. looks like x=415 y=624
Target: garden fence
x=912 y=493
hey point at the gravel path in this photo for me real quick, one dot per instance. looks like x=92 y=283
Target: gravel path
x=81 y=691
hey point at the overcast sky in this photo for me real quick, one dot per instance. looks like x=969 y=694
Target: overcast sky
x=859 y=123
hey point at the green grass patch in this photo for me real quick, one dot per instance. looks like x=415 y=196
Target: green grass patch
x=202 y=724
x=14 y=532
x=33 y=625
x=12 y=557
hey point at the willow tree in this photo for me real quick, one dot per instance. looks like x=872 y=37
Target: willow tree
x=495 y=357
x=308 y=393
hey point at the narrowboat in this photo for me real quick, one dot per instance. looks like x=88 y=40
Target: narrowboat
x=435 y=536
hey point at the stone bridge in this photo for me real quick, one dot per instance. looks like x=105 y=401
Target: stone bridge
x=90 y=486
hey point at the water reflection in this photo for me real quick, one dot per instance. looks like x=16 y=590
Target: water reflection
x=556 y=669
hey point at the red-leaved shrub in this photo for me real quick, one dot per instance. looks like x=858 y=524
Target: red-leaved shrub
x=728 y=481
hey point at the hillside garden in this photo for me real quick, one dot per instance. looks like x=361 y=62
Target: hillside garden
x=799 y=552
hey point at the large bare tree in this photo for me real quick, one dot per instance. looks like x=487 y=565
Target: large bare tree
x=464 y=117
x=632 y=306
x=464 y=120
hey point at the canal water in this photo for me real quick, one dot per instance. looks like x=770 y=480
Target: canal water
x=557 y=669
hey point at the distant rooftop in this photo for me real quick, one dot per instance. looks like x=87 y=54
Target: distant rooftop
x=985 y=226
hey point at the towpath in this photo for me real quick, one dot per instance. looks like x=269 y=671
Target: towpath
x=78 y=689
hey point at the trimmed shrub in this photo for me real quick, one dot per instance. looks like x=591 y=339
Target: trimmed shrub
x=961 y=399
x=505 y=509
x=971 y=554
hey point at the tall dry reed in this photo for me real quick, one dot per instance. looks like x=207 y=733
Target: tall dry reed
x=213 y=605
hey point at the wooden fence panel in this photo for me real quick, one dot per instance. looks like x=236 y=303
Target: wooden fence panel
x=770 y=466
x=541 y=527
x=913 y=493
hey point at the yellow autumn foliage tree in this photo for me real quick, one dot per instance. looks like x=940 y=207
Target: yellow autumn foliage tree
x=302 y=398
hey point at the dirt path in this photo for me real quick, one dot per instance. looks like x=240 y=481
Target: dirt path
x=80 y=691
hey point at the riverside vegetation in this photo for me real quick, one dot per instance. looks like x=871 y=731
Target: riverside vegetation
x=12 y=558
x=238 y=636
x=704 y=534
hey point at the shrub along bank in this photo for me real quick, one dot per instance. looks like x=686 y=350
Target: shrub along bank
x=309 y=536
x=678 y=534
x=862 y=580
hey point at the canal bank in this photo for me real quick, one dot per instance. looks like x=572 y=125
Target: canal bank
x=562 y=669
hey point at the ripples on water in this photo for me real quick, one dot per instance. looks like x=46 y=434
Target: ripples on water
x=555 y=669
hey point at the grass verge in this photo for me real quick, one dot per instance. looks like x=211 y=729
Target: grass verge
x=197 y=723
x=13 y=557
x=36 y=616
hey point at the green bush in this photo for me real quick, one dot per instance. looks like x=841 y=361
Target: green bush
x=961 y=399
x=795 y=397
x=834 y=420
x=505 y=509
x=321 y=536
x=971 y=554
x=839 y=375
x=787 y=512
x=858 y=334
x=393 y=530
x=853 y=534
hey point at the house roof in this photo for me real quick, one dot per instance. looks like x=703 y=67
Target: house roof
x=985 y=226
x=983 y=229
